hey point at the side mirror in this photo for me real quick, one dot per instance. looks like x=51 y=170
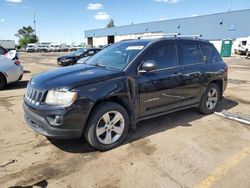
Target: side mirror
x=205 y=58
x=148 y=66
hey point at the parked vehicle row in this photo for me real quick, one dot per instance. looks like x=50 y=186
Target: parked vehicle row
x=50 y=47
x=123 y=84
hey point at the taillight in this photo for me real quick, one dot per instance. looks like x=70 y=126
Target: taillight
x=17 y=62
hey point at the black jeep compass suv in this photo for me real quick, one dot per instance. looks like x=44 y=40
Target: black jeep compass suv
x=130 y=81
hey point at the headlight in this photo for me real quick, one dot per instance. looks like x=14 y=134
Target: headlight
x=60 y=97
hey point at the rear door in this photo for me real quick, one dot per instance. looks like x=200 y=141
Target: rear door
x=160 y=89
x=192 y=71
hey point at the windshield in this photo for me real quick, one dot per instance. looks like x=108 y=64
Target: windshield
x=117 y=56
x=79 y=52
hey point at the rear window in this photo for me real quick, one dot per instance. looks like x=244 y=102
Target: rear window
x=190 y=54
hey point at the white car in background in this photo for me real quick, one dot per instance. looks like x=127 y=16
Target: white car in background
x=59 y=47
x=32 y=47
x=43 y=47
x=10 y=69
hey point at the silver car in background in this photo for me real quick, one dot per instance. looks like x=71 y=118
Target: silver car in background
x=10 y=69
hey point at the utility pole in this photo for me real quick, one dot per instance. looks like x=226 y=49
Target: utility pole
x=230 y=6
x=34 y=21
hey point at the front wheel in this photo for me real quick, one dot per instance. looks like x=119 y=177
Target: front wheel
x=210 y=99
x=248 y=53
x=107 y=127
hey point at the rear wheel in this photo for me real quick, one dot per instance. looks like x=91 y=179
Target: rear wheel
x=107 y=127
x=2 y=82
x=210 y=99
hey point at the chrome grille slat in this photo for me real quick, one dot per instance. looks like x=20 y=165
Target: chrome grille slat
x=34 y=96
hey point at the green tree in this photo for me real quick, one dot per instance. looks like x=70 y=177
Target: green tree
x=26 y=35
x=111 y=24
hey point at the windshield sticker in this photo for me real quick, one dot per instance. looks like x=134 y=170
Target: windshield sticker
x=134 y=47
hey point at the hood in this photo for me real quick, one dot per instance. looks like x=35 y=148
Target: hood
x=73 y=76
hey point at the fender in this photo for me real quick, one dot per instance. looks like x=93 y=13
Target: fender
x=121 y=90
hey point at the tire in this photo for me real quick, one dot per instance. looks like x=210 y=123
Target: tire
x=210 y=99
x=100 y=118
x=20 y=77
x=2 y=82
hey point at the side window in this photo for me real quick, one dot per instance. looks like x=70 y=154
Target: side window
x=207 y=51
x=216 y=56
x=190 y=54
x=165 y=56
x=211 y=53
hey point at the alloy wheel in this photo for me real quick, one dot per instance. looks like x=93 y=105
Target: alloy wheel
x=110 y=127
x=212 y=98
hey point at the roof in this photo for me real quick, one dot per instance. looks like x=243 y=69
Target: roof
x=145 y=41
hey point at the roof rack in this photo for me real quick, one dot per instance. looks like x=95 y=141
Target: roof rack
x=191 y=36
x=163 y=35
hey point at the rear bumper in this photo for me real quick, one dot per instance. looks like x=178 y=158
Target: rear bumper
x=14 y=73
x=40 y=125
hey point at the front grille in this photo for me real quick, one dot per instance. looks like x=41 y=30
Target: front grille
x=34 y=96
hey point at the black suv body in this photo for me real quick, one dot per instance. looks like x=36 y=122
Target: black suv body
x=73 y=57
x=125 y=83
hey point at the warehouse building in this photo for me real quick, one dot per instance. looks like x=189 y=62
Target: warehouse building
x=213 y=27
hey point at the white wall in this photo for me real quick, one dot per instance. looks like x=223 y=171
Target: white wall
x=97 y=41
x=136 y=36
x=217 y=44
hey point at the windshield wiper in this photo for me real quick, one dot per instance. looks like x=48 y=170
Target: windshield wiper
x=99 y=65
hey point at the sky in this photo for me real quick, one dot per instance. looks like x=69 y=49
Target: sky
x=66 y=20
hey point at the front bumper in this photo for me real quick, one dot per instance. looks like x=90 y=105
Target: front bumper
x=72 y=126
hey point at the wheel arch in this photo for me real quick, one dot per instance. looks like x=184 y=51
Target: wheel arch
x=4 y=76
x=218 y=82
x=121 y=101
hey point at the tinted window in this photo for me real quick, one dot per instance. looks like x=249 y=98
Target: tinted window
x=190 y=54
x=165 y=56
x=207 y=51
x=2 y=51
x=211 y=53
x=216 y=56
